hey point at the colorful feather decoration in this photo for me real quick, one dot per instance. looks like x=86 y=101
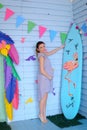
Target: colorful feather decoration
x=15 y=101
x=9 y=75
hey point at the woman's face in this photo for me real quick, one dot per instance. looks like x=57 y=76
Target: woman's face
x=42 y=48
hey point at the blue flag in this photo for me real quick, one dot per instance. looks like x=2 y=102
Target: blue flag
x=19 y=21
x=52 y=34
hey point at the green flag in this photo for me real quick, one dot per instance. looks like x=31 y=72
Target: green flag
x=31 y=25
x=63 y=37
x=1 y=5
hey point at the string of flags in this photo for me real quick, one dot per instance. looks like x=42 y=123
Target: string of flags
x=31 y=25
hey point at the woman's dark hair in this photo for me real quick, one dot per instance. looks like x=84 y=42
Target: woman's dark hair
x=37 y=45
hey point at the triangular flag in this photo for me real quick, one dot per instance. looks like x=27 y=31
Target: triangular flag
x=63 y=37
x=31 y=25
x=8 y=14
x=42 y=30
x=19 y=21
x=1 y=5
x=84 y=27
x=52 y=34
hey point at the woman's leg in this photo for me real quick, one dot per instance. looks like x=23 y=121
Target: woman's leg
x=43 y=108
x=45 y=103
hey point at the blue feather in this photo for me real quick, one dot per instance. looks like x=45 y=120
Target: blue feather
x=11 y=89
x=6 y=38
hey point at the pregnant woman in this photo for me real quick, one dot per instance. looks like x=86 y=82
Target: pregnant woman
x=45 y=76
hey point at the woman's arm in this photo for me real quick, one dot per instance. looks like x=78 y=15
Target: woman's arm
x=55 y=50
x=41 y=60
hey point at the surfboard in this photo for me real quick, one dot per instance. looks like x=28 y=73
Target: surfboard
x=2 y=105
x=71 y=73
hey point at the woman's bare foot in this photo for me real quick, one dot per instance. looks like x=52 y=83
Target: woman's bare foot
x=42 y=119
x=46 y=120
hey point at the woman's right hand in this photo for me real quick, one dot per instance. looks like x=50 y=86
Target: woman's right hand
x=62 y=46
x=50 y=77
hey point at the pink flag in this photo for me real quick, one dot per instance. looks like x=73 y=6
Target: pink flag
x=42 y=30
x=8 y=14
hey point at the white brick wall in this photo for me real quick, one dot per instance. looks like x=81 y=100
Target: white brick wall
x=54 y=15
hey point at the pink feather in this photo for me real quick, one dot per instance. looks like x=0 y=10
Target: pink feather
x=15 y=101
x=14 y=54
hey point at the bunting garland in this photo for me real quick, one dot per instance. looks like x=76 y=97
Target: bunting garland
x=31 y=25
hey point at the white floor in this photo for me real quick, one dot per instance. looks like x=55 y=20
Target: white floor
x=35 y=124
